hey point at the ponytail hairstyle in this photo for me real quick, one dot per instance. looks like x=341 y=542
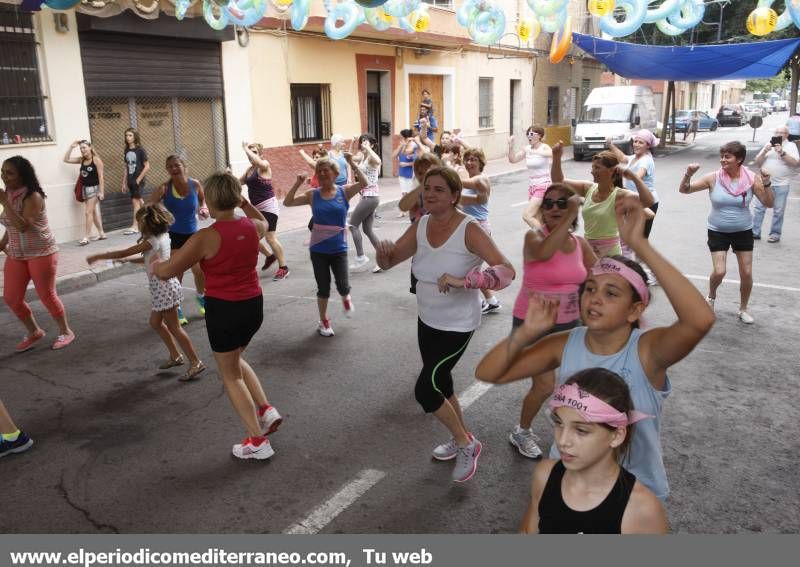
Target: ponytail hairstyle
x=153 y=220
x=27 y=175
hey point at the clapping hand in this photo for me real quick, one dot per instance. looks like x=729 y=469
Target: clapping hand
x=384 y=252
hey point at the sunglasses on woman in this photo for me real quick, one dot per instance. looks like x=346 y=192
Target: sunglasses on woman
x=561 y=203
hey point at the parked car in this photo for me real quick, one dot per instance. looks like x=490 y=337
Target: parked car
x=683 y=120
x=754 y=109
x=731 y=114
x=767 y=107
x=781 y=105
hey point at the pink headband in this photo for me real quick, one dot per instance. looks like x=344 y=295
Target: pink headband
x=611 y=266
x=592 y=408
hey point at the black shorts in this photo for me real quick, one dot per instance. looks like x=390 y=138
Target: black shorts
x=135 y=189
x=177 y=240
x=272 y=221
x=231 y=324
x=741 y=241
x=557 y=328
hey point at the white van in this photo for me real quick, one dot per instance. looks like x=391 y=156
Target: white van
x=616 y=113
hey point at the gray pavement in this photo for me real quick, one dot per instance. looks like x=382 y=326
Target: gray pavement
x=122 y=448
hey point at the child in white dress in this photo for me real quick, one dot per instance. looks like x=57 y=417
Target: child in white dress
x=165 y=295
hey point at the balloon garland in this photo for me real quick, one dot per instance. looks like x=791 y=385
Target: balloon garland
x=764 y=19
x=672 y=17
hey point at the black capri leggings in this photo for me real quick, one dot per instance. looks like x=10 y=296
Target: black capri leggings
x=324 y=264
x=648 y=224
x=441 y=351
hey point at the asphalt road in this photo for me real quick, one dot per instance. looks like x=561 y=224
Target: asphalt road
x=122 y=448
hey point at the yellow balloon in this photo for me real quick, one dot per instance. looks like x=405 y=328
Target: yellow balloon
x=536 y=29
x=284 y=2
x=601 y=8
x=420 y=21
x=524 y=30
x=762 y=21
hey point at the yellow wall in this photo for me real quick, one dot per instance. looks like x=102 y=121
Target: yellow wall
x=61 y=75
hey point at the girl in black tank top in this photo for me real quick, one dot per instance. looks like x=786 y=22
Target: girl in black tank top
x=587 y=491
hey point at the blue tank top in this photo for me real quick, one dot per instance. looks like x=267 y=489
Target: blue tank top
x=480 y=212
x=405 y=165
x=184 y=209
x=341 y=179
x=330 y=212
x=645 y=456
x=729 y=213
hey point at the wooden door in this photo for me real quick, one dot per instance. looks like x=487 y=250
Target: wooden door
x=433 y=83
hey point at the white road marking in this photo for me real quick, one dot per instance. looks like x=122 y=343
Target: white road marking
x=473 y=393
x=737 y=282
x=794 y=198
x=519 y=204
x=325 y=513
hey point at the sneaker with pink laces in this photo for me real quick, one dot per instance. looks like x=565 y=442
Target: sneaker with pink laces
x=29 y=341
x=253 y=448
x=282 y=273
x=63 y=341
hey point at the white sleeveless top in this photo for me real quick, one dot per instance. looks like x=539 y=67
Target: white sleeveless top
x=538 y=165
x=460 y=309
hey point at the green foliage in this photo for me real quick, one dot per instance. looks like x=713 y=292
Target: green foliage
x=768 y=85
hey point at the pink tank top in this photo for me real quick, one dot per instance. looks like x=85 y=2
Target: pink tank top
x=38 y=240
x=231 y=273
x=559 y=277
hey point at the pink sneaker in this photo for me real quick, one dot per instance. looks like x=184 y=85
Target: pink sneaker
x=63 y=341
x=30 y=340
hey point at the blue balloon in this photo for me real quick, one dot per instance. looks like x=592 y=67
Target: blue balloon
x=371 y=3
x=351 y=17
x=300 y=14
x=61 y=4
x=635 y=12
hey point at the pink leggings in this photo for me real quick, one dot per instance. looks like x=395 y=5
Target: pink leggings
x=42 y=270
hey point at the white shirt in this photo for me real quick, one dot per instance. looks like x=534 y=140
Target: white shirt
x=776 y=166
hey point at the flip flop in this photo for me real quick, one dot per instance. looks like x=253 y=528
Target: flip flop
x=103 y=237
x=130 y=231
x=193 y=373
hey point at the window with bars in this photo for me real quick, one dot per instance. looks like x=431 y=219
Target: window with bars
x=485 y=102
x=311 y=112
x=22 y=104
x=447 y=4
x=552 y=105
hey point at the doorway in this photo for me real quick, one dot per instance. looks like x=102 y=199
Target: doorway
x=434 y=84
x=379 y=116
x=515 y=125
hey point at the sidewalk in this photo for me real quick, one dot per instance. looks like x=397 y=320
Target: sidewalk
x=73 y=272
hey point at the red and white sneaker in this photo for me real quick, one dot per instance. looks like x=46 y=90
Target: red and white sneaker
x=324 y=328
x=347 y=305
x=281 y=274
x=269 y=420
x=253 y=448
x=29 y=341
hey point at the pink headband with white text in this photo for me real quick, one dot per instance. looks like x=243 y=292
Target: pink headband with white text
x=611 y=266
x=592 y=408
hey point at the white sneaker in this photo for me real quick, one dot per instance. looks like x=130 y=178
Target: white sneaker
x=466 y=461
x=525 y=442
x=253 y=448
x=360 y=264
x=347 y=305
x=325 y=328
x=377 y=269
x=746 y=318
x=710 y=301
x=269 y=421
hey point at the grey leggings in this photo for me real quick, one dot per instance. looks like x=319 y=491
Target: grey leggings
x=364 y=215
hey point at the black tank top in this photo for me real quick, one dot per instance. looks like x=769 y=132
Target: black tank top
x=258 y=188
x=555 y=517
x=90 y=175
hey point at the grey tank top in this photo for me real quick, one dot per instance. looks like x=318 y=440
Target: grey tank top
x=645 y=456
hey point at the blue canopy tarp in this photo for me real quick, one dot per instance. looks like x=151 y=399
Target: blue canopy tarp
x=695 y=63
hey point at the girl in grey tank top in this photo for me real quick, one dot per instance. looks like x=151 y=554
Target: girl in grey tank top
x=612 y=302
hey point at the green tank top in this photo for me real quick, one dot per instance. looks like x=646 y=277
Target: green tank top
x=599 y=219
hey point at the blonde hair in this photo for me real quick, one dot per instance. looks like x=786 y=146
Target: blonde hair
x=223 y=191
x=153 y=220
x=326 y=161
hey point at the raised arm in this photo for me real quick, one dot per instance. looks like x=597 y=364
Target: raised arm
x=621 y=156
x=513 y=156
x=308 y=159
x=68 y=156
x=255 y=159
x=352 y=190
x=645 y=195
x=704 y=183
x=557 y=175
x=764 y=194
x=292 y=199
x=539 y=247
x=479 y=184
x=662 y=347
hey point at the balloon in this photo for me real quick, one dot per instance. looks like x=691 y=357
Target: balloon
x=61 y=4
x=553 y=22
x=378 y=18
x=600 y=8
x=181 y=6
x=559 y=46
x=790 y=14
x=400 y=8
x=299 y=14
x=350 y=15
x=524 y=28
x=420 y=19
x=246 y=12
x=489 y=25
x=218 y=21
x=547 y=7
x=666 y=8
x=467 y=12
x=635 y=12
x=283 y=3
x=762 y=21
x=371 y=3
